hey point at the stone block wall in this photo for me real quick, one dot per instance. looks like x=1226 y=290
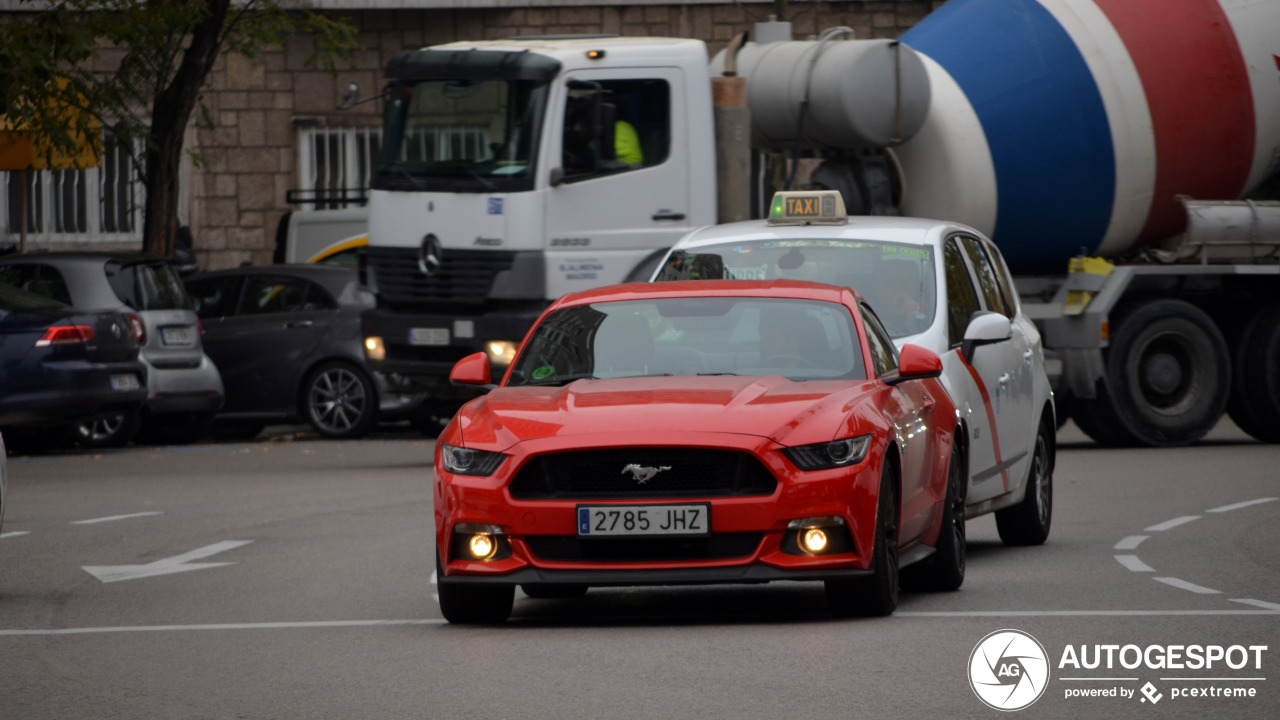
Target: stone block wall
x=247 y=160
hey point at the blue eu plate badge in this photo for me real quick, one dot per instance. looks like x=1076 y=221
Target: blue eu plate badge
x=584 y=521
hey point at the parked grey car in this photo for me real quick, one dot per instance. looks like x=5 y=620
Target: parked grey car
x=184 y=388
x=287 y=340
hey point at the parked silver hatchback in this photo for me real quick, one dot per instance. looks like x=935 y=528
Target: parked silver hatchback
x=184 y=388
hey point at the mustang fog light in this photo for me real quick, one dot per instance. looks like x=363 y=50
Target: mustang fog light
x=374 y=349
x=479 y=542
x=814 y=540
x=825 y=535
x=501 y=352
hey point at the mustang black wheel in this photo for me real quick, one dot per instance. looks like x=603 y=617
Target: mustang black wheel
x=1028 y=522
x=339 y=401
x=876 y=595
x=473 y=604
x=944 y=570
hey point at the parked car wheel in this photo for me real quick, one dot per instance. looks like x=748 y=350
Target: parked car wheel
x=340 y=401
x=108 y=432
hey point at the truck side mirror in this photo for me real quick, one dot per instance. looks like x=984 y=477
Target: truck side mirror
x=985 y=328
x=471 y=370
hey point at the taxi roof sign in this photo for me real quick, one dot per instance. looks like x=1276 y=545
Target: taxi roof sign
x=808 y=207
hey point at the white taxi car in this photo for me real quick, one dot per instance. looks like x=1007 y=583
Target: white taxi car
x=938 y=284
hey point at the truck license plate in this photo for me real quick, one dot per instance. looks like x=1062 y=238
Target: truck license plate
x=632 y=520
x=428 y=336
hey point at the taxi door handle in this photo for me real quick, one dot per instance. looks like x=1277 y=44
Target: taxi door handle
x=1027 y=354
x=668 y=215
x=1004 y=379
x=298 y=324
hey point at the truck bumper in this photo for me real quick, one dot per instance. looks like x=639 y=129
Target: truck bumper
x=421 y=348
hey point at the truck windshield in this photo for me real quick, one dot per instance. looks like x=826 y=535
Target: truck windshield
x=461 y=135
x=753 y=336
x=898 y=280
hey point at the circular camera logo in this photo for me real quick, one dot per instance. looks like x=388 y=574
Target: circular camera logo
x=1008 y=670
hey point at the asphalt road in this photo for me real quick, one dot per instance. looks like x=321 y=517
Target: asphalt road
x=294 y=580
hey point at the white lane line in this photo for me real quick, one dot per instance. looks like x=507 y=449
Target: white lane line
x=1169 y=524
x=1130 y=543
x=1245 y=504
x=224 y=626
x=114 y=518
x=1190 y=587
x=1131 y=562
x=1257 y=603
x=15 y=533
x=435 y=595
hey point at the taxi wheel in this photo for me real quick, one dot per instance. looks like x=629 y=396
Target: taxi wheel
x=549 y=591
x=340 y=401
x=474 y=604
x=876 y=595
x=944 y=570
x=108 y=432
x=1028 y=522
x=1255 y=388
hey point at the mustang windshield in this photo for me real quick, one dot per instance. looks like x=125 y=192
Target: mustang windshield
x=898 y=280
x=461 y=135
x=797 y=339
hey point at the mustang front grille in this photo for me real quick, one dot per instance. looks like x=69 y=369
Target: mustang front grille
x=633 y=473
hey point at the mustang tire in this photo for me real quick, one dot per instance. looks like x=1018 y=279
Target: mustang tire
x=474 y=604
x=944 y=570
x=876 y=595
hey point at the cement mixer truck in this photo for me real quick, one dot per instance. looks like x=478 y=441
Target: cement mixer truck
x=1122 y=153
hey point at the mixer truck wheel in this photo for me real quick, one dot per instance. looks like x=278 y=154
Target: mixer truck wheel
x=1168 y=375
x=1255 y=391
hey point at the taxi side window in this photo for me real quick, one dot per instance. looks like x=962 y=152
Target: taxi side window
x=883 y=353
x=213 y=297
x=962 y=299
x=988 y=283
x=641 y=129
x=1002 y=276
x=43 y=280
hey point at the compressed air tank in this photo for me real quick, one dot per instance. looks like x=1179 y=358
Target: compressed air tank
x=838 y=94
x=1069 y=126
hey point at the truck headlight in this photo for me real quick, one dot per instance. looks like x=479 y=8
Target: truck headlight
x=468 y=461
x=824 y=456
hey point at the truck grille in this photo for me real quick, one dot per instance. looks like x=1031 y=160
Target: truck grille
x=568 y=548
x=595 y=474
x=465 y=276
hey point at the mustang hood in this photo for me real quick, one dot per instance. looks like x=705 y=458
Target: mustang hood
x=788 y=412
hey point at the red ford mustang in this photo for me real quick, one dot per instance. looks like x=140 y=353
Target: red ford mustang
x=690 y=433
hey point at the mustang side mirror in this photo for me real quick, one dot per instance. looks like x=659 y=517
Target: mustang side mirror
x=985 y=328
x=916 y=363
x=472 y=370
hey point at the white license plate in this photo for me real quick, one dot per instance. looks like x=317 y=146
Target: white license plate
x=428 y=336
x=178 y=335
x=125 y=381
x=631 y=520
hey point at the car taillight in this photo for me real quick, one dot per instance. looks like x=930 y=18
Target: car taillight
x=139 y=330
x=66 y=335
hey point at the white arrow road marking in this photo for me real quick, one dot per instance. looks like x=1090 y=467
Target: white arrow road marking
x=165 y=566
x=1133 y=563
x=1184 y=585
x=15 y=533
x=1257 y=603
x=1130 y=543
x=1170 y=524
x=115 y=517
x=1245 y=504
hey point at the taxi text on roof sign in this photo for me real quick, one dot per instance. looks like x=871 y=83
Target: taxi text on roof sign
x=808 y=207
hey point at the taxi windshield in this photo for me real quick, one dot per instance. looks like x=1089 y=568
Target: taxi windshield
x=897 y=279
x=797 y=339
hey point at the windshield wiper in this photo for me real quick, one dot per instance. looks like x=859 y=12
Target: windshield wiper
x=556 y=382
x=717 y=373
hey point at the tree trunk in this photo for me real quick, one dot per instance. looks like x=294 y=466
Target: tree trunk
x=170 y=114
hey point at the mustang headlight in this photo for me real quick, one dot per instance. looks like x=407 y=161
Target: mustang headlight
x=466 y=461
x=823 y=456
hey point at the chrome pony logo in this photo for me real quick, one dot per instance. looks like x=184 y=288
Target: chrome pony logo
x=1008 y=670
x=641 y=474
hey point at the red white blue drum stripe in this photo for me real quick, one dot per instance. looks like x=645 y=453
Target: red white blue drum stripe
x=1096 y=114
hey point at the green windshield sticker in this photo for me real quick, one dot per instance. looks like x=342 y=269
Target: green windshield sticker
x=543 y=372
x=905 y=251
